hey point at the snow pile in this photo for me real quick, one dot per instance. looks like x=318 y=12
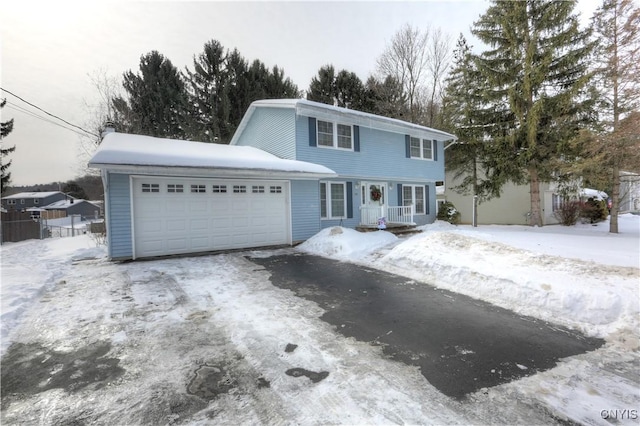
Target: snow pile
x=346 y=243
x=531 y=274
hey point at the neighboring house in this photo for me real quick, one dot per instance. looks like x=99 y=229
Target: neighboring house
x=292 y=168
x=75 y=206
x=629 y=192
x=26 y=200
x=513 y=207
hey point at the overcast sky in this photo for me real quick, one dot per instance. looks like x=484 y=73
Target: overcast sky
x=50 y=48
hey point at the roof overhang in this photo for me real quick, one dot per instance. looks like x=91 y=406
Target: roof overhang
x=210 y=172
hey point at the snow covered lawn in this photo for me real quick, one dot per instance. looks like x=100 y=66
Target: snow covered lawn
x=158 y=330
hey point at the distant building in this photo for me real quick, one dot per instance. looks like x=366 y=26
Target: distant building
x=26 y=200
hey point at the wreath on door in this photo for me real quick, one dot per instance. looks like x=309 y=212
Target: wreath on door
x=375 y=193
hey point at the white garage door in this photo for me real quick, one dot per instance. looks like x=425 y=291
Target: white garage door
x=173 y=216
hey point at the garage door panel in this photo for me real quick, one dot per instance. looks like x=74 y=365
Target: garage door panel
x=248 y=214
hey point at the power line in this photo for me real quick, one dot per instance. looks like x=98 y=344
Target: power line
x=48 y=113
x=13 y=106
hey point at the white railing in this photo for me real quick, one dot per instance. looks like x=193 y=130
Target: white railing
x=400 y=214
x=392 y=214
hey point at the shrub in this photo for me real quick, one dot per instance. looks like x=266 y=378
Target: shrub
x=448 y=212
x=594 y=210
x=568 y=213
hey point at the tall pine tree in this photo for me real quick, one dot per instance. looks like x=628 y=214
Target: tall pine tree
x=208 y=94
x=5 y=128
x=157 y=99
x=465 y=113
x=536 y=64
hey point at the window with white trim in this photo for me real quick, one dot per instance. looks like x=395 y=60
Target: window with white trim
x=275 y=189
x=333 y=200
x=414 y=194
x=11 y=202
x=335 y=135
x=556 y=202
x=36 y=201
x=239 y=189
x=257 y=189
x=150 y=187
x=219 y=189
x=421 y=148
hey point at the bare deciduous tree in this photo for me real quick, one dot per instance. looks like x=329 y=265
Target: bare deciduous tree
x=617 y=27
x=419 y=61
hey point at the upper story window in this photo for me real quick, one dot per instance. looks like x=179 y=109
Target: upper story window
x=335 y=135
x=421 y=148
x=36 y=201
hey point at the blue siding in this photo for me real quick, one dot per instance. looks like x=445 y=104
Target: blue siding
x=382 y=156
x=305 y=209
x=119 y=217
x=272 y=130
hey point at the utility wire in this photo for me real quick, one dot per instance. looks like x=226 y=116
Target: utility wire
x=23 y=110
x=48 y=113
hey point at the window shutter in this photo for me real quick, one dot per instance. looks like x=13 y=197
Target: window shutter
x=312 y=131
x=427 y=201
x=356 y=138
x=407 y=145
x=349 y=200
x=400 y=195
x=435 y=150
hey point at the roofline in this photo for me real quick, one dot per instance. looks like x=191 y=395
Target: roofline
x=210 y=172
x=311 y=108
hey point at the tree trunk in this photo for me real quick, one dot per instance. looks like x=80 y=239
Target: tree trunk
x=534 y=190
x=615 y=200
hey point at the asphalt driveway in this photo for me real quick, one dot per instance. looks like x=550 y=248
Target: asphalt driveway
x=460 y=344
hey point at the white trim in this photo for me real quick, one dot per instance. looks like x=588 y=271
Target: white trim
x=335 y=124
x=210 y=173
x=133 y=215
x=422 y=141
x=329 y=200
x=413 y=198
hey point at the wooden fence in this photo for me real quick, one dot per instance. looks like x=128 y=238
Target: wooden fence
x=19 y=226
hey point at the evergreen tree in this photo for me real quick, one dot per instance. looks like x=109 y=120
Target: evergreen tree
x=157 y=99
x=344 y=89
x=349 y=90
x=73 y=189
x=208 y=94
x=277 y=86
x=617 y=29
x=465 y=114
x=5 y=128
x=322 y=88
x=385 y=98
x=537 y=66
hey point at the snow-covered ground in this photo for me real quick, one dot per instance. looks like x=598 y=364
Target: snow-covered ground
x=165 y=319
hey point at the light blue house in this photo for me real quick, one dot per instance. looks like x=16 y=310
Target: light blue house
x=292 y=168
x=386 y=167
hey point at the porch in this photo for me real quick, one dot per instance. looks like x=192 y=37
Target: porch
x=371 y=217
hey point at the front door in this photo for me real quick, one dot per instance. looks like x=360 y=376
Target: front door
x=372 y=200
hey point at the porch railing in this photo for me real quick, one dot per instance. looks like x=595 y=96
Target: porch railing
x=402 y=215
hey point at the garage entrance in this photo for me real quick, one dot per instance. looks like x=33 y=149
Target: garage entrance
x=188 y=215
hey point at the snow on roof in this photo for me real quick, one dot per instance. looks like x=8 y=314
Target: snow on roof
x=65 y=204
x=33 y=194
x=325 y=111
x=136 y=150
x=593 y=193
